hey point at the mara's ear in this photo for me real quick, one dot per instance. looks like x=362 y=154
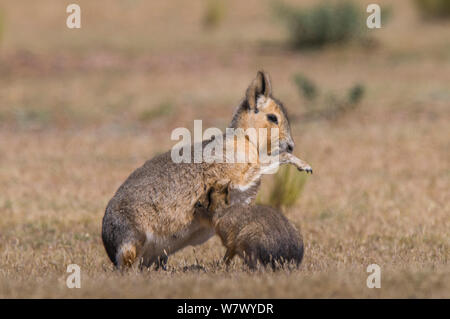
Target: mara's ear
x=260 y=86
x=223 y=185
x=224 y=188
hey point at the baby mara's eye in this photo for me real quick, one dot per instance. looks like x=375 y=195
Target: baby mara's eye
x=272 y=118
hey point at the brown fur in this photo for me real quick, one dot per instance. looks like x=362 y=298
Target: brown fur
x=257 y=234
x=151 y=214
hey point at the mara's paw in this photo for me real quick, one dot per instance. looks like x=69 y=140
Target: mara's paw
x=305 y=168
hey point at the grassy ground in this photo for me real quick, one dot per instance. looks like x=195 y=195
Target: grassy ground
x=80 y=109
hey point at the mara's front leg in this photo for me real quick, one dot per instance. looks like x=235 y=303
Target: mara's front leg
x=287 y=158
x=270 y=168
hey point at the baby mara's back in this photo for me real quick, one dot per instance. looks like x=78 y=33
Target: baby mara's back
x=260 y=234
x=257 y=234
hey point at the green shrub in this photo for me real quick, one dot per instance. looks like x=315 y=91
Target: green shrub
x=324 y=23
x=355 y=94
x=306 y=87
x=214 y=13
x=287 y=187
x=326 y=105
x=165 y=108
x=434 y=8
x=33 y=116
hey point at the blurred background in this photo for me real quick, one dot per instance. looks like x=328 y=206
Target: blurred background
x=80 y=109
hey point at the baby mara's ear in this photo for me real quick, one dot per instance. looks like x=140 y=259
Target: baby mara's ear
x=207 y=200
x=224 y=188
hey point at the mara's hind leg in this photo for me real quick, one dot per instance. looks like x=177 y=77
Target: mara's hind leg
x=128 y=254
x=122 y=241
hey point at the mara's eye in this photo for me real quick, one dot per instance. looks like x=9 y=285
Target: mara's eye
x=272 y=118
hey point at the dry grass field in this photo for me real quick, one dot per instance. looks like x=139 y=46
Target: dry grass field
x=81 y=109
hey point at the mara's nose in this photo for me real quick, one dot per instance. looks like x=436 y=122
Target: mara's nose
x=290 y=147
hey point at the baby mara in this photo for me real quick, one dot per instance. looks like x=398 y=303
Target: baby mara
x=256 y=233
